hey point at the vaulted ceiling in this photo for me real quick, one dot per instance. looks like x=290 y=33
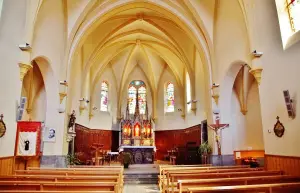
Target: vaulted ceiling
x=138 y=37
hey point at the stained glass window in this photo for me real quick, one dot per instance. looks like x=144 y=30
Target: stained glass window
x=135 y=86
x=104 y=96
x=170 y=98
x=294 y=14
x=142 y=99
x=131 y=99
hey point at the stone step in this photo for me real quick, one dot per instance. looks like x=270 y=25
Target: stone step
x=140 y=178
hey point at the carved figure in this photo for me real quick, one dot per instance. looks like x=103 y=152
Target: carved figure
x=72 y=122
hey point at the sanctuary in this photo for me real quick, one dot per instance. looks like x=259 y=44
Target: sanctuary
x=136 y=127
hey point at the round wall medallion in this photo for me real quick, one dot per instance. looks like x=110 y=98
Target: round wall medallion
x=278 y=128
x=2 y=127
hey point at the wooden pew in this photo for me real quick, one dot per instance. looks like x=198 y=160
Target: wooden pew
x=269 y=188
x=164 y=168
x=55 y=191
x=184 y=184
x=190 y=176
x=50 y=178
x=72 y=172
x=80 y=186
x=83 y=167
x=168 y=172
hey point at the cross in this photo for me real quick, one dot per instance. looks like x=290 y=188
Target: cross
x=216 y=127
x=1 y=117
x=98 y=148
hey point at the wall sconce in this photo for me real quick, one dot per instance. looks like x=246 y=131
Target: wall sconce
x=215 y=92
x=62 y=90
x=81 y=105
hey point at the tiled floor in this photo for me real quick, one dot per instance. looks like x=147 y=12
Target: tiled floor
x=141 y=188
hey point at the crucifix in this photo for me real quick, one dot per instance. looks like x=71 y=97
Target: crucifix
x=216 y=127
x=97 y=147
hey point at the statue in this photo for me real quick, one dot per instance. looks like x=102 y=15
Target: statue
x=72 y=122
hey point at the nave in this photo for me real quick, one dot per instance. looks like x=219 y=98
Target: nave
x=170 y=179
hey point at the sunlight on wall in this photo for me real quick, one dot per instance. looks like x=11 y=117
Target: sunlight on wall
x=288 y=18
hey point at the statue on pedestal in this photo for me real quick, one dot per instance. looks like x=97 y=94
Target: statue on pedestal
x=71 y=124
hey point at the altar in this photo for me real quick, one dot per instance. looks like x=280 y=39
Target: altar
x=137 y=136
x=140 y=154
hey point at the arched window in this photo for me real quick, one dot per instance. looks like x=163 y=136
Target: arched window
x=134 y=87
x=170 y=102
x=142 y=99
x=104 y=96
x=293 y=7
x=131 y=99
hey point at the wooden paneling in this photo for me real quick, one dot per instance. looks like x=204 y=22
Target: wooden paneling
x=6 y=165
x=240 y=154
x=290 y=165
x=21 y=163
x=169 y=139
x=9 y=164
x=86 y=137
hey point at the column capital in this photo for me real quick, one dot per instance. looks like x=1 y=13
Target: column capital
x=24 y=68
x=256 y=72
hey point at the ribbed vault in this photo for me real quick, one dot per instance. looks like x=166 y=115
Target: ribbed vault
x=139 y=34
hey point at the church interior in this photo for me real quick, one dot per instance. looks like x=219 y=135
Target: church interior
x=149 y=96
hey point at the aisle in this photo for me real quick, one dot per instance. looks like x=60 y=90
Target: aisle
x=141 y=188
x=141 y=178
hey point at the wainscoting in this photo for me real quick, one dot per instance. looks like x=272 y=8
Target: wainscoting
x=7 y=165
x=86 y=137
x=169 y=139
x=290 y=165
x=11 y=163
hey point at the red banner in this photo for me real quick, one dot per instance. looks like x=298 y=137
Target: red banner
x=28 y=138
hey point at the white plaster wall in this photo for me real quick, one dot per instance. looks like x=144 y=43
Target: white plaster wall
x=11 y=34
x=237 y=127
x=169 y=121
x=230 y=37
x=39 y=106
x=48 y=41
x=280 y=72
x=105 y=120
x=246 y=130
x=254 y=127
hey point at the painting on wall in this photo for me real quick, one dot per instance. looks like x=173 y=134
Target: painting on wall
x=49 y=134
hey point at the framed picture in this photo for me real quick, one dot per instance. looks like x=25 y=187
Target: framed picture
x=49 y=134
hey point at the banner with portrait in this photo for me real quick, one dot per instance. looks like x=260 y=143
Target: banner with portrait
x=28 y=138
